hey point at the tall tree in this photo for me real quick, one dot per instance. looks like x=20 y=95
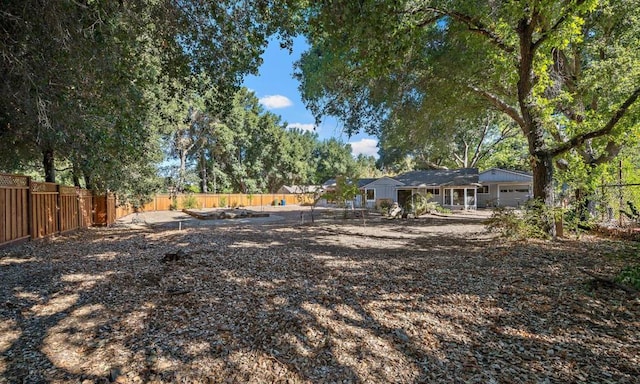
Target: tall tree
x=556 y=68
x=333 y=159
x=80 y=77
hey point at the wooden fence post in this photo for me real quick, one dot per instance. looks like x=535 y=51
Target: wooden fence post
x=58 y=209
x=29 y=209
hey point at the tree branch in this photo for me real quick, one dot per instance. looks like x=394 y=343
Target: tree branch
x=500 y=105
x=478 y=149
x=580 y=139
x=544 y=35
x=475 y=26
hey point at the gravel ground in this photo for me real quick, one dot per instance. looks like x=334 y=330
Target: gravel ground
x=338 y=301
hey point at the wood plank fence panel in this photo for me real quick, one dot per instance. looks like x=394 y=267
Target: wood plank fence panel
x=44 y=215
x=100 y=210
x=69 y=208
x=111 y=208
x=85 y=208
x=14 y=208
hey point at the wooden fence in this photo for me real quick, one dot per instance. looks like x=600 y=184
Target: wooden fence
x=32 y=210
x=163 y=202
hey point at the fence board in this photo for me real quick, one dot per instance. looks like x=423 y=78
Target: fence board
x=85 y=207
x=44 y=198
x=14 y=192
x=69 y=208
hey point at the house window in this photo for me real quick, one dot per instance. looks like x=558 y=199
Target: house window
x=371 y=194
x=433 y=191
x=483 y=189
x=471 y=197
x=458 y=196
x=447 y=197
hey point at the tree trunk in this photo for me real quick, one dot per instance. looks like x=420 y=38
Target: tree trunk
x=75 y=174
x=182 y=171
x=87 y=182
x=543 y=178
x=203 y=174
x=49 y=165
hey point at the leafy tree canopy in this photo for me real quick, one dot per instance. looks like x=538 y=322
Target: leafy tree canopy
x=561 y=71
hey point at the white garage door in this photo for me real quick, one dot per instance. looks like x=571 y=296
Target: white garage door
x=513 y=195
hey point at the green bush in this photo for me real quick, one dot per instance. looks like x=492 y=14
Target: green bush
x=441 y=209
x=174 y=204
x=419 y=204
x=534 y=221
x=385 y=205
x=506 y=222
x=189 y=202
x=223 y=202
x=630 y=276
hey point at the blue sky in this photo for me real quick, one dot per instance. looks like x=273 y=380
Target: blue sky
x=278 y=92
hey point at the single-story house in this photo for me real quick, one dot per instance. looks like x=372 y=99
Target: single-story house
x=504 y=188
x=463 y=188
x=451 y=188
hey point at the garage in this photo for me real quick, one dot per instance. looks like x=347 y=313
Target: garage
x=513 y=195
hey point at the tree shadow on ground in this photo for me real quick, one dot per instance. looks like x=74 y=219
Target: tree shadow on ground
x=312 y=303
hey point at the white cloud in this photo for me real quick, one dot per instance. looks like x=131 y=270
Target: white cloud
x=302 y=126
x=364 y=146
x=275 y=101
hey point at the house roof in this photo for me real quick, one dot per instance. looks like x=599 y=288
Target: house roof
x=300 y=188
x=374 y=182
x=516 y=172
x=439 y=177
x=494 y=175
x=361 y=182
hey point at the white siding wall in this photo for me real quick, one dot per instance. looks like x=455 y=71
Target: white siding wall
x=385 y=188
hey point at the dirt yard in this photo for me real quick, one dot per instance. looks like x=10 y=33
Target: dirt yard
x=429 y=300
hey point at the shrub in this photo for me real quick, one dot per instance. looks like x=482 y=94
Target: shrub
x=384 y=205
x=223 y=202
x=633 y=214
x=507 y=222
x=189 y=202
x=535 y=221
x=419 y=204
x=630 y=276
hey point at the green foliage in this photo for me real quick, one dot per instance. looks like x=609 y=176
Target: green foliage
x=633 y=213
x=90 y=85
x=533 y=221
x=507 y=222
x=384 y=205
x=223 y=201
x=409 y=72
x=346 y=190
x=419 y=204
x=174 y=203
x=630 y=276
x=189 y=201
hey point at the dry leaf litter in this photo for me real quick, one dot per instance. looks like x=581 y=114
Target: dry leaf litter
x=428 y=300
